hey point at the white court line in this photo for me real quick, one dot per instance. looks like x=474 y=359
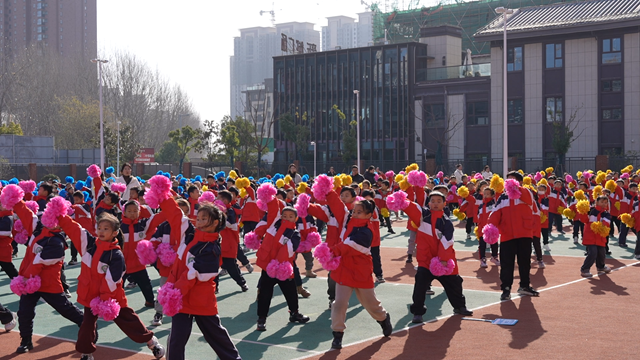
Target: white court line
x=549 y=254
x=143 y=351
x=439 y=287
x=477 y=308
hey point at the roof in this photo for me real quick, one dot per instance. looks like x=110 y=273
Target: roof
x=564 y=18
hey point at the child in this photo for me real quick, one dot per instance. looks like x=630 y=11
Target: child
x=100 y=280
x=45 y=192
x=230 y=241
x=82 y=215
x=599 y=220
x=435 y=254
x=538 y=223
x=194 y=194
x=109 y=204
x=626 y=206
x=306 y=225
x=578 y=226
x=543 y=200
x=484 y=210
x=375 y=241
x=469 y=208
x=557 y=200
x=354 y=273
x=8 y=318
x=235 y=205
x=6 y=239
x=381 y=196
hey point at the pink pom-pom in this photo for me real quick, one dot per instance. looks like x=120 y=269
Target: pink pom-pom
x=166 y=254
x=587 y=175
x=304 y=247
x=266 y=192
x=397 y=201
x=624 y=176
x=402 y=172
x=280 y=270
x=512 y=188
x=537 y=177
x=359 y=198
x=478 y=176
x=332 y=264
x=252 y=241
x=390 y=175
x=440 y=175
x=146 y=253
x=33 y=206
x=108 y=310
x=261 y=205
x=207 y=196
x=21 y=237
x=302 y=205
x=376 y=177
x=322 y=186
x=32 y=285
x=314 y=239
x=490 y=234
x=159 y=192
x=453 y=189
x=18 y=285
x=17 y=226
x=94 y=171
x=170 y=298
x=221 y=205
x=28 y=186
x=11 y=195
x=450 y=198
x=417 y=178
x=322 y=253
x=117 y=187
x=437 y=269
x=568 y=178
x=55 y=208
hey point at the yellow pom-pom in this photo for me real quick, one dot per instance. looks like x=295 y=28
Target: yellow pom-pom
x=497 y=184
x=617 y=205
x=526 y=180
x=242 y=183
x=628 y=220
x=560 y=209
x=205 y=188
x=579 y=195
x=347 y=180
x=597 y=191
x=543 y=173
x=600 y=178
x=548 y=170
x=337 y=182
x=399 y=178
x=543 y=218
x=572 y=185
x=600 y=229
x=474 y=180
x=476 y=231
x=543 y=182
x=302 y=188
x=611 y=186
x=384 y=212
x=521 y=172
x=279 y=183
x=583 y=207
x=463 y=192
x=287 y=179
x=242 y=193
x=233 y=174
x=579 y=174
x=404 y=185
x=608 y=171
x=240 y=224
x=628 y=169
x=459 y=214
x=411 y=167
x=569 y=214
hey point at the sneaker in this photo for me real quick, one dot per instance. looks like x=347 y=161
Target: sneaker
x=429 y=292
x=541 y=265
x=468 y=236
x=11 y=324
x=409 y=259
x=637 y=257
x=380 y=279
x=262 y=324
x=337 y=340
x=561 y=232
x=299 y=318
x=390 y=231
x=155 y=347
x=244 y=287
x=506 y=294
x=310 y=274
x=223 y=272
x=463 y=311
x=606 y=253
x=546 y=248
x=417 y=319
x=73 y=262
x=623 y=245
x=249 y=268
x=585 y=274
x=148 y=304
x=25 y=346
x=330 y=303
x=529 y=291
x=303 y=292
x=131 y=285
x=86 y=357
x=483 y=263
x=575 y=240
x=387 y=328
x=495 y=261
x=67 y=294
x=157 y=319
x=605 y=269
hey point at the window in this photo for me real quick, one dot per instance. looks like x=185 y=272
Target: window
x=612 y=114
x=478 y=113
x=514 y=59
x=434 y=114
x=554 y=109
x=611 y=85
x=554 y=56
x=515 y=111
x=611 y=51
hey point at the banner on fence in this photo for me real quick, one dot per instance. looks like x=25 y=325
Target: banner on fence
x=145 y=155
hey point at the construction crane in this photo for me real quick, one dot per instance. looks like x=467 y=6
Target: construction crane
x=273 y=14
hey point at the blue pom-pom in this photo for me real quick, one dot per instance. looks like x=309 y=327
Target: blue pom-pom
x=110 y=170
x=180 y=189
x=183 y=182
x=110 y=180
x=179 y=176
x=86 y=196
x=198 y=178
x=160 y=173
x=14 y=181
x=250 y=177
x=79 y=185
x=220 y=174
x=69 y=179
x=305 y=178
x=142 y=181
x=88 y=181
x=166 y=174
x=63 y=193
x=4 y=182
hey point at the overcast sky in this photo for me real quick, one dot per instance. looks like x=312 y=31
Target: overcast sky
x=190 y=41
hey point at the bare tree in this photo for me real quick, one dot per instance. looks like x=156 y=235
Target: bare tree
x=440 y=127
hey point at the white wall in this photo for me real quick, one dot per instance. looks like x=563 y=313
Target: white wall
x=581 y=89
x=456 y=111
x=533 y=102
x=496 y=103
x=632 y=92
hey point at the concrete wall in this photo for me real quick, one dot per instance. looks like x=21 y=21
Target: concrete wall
x=581 y=89
x=632 y=92
x=533 y=101
x=444 y=45
x=496 y=103
x=418 y=127
x=456 y=111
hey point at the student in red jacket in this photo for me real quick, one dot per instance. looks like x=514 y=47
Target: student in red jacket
x=230 y=241
x=6 y=238
x=595 y=236
x=484 y=210
x=514 y=219
x=194 y=195
x=557 y=199
x=100 y=285
x=626 y=206
x=354 y=273
x=191 y=283
x=375 y=229
x=82 y=215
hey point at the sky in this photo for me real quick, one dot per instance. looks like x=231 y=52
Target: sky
x=190 y=41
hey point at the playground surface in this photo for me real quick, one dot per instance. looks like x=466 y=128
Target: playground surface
x=573 y=317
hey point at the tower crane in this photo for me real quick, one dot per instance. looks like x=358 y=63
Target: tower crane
x=273 y=14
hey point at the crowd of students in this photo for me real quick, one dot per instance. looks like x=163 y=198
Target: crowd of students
x=190 y=231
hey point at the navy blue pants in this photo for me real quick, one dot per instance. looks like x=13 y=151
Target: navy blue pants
x=27 y=311
x=214 y=333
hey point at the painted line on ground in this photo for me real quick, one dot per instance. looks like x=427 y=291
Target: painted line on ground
x=474 y=309
x=143 y=351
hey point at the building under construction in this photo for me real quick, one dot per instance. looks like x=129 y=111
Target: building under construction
x=404 y=25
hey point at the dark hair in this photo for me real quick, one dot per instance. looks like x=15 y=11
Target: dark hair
x=136 y=188
x=441 y=188
x=225 y=194
x=354 y=167
x=125 y=165
x=290 y=208
x=131 y=203
x=234 y=190
x=493 y=192
x=141 y=192
x=183 y=202
x=438 y=193
x=367 y=205
x=367 y=192
x=78 y=194
x=112 y=220
x=481 y=182
x=350 y=190
x=210 y=176
x=113 y=197
x=386 y=182
x=289 y=190
x=281 y=193
x=557 y=181
x=214 y=214
x=633 y=185
x=582 y=183
x=516 y=175
x=231 y=181
x=366 y=182
x=602 y=197
x=47 y=187
x=354 y=186
x=371 y=167
x=192 y=188
x=289 y=169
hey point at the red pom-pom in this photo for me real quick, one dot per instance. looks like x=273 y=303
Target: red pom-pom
x=166 y=254
x=94 y=171
x=397 y=201
x=207 y=196
x=170 y=298
x=302 y=205
x=11 y=195
x=55 y=208
x=252 y=241
x=490 y=234
x=108 y=310
x=437 y=269
x=28 y=186
x=146 y=253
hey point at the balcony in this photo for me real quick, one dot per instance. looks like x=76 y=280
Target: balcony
x=453 y=72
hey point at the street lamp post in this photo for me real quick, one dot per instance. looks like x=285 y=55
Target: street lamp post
x=100 y=62
x=357 y=92
x=118 y=150
x=315 y=157
x=505 y=133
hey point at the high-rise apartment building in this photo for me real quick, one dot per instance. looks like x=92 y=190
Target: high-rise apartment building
x=253 y=52
x=345 y=32
x=68 y=27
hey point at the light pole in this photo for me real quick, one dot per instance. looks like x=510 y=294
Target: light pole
x=357 y=92
x=505 y=133
x=315 y=147
x=100 y=62
x=180 y=119
x=118 y=150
